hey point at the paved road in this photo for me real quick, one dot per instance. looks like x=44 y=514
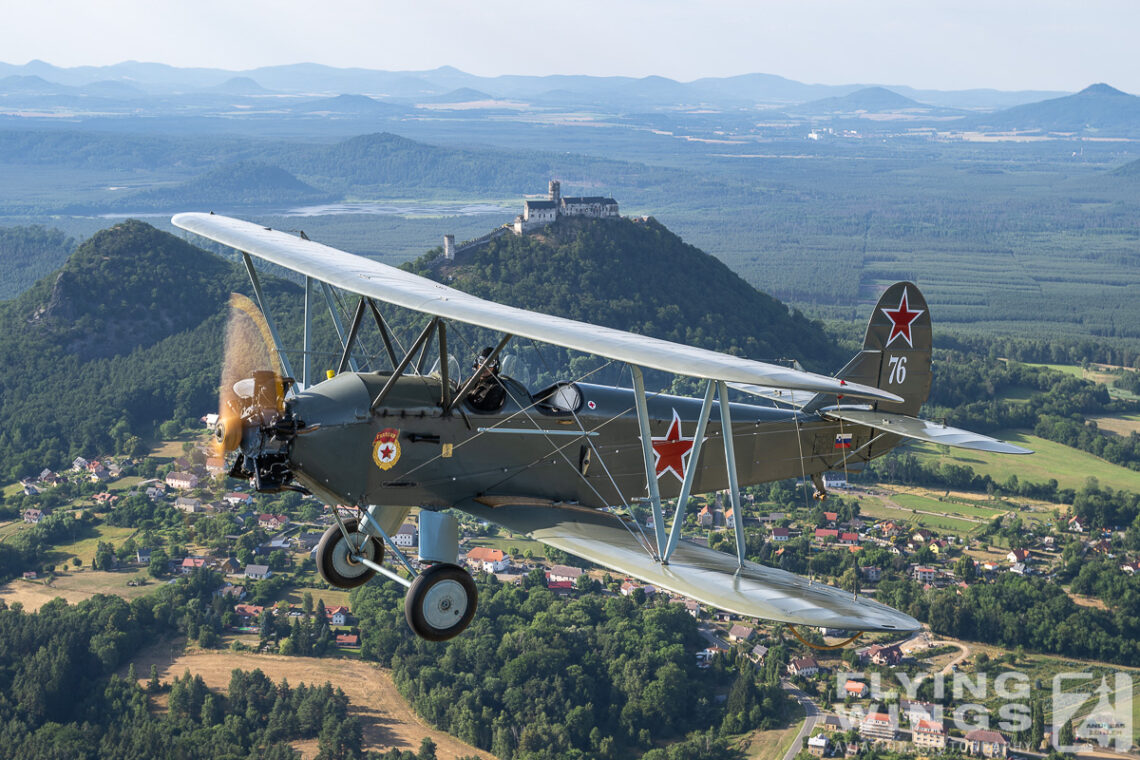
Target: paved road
x=811 y=713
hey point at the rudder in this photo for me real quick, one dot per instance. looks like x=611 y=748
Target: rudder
x=896 y=349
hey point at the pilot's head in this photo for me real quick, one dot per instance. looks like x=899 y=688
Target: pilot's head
x=492 y=367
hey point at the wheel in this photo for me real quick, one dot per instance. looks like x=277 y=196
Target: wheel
x=334 y=558
x=441 y=602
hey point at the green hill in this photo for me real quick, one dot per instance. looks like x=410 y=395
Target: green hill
x=1098 y=108
x=125 y=335
x=243 y=183
x=636 y=276
x=869 y=99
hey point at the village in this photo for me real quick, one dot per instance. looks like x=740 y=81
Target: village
x=179 y=514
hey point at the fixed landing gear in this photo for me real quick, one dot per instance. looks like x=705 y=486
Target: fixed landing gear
x=337 y=559
x=441 y=602
x=441 y=599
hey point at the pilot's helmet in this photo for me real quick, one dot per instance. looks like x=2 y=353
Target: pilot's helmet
x=493 y=366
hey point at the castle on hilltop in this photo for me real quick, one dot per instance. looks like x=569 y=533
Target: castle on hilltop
x=541 y=213
x=538 y=214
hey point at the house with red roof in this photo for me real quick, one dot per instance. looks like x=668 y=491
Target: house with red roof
x=1017 y=555
x=190 y=564
x=272 y=522
x=488 y=560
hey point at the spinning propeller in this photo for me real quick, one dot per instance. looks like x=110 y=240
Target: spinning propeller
x=252 y=392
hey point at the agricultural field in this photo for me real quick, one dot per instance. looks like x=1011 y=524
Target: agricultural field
x=84 y=548
x=1070 y=467
x=1125 y=424
x=76 y=587
x=387 y=719
x=331 y=597
x=1097 y=373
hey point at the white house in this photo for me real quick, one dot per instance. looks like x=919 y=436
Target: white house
x=564 y=573
x=407 y=536
x=257 y=572
x=182 y=480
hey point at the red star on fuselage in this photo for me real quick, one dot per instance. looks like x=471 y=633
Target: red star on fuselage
x=672 y=450
x=901 y=320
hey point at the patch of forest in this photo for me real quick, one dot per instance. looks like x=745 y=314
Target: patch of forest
x=61 y=697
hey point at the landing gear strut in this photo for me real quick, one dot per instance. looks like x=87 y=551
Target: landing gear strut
x=441 y=602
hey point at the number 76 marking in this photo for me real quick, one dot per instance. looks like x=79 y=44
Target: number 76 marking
x=898 y=370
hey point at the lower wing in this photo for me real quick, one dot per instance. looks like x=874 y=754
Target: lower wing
x=697 y=572
x=924 y=430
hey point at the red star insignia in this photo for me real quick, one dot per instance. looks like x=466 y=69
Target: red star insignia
x=386 y=452
x=672 y=450
x=901 y=320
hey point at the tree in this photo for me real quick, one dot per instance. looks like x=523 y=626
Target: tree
x=158 y=563
x=104 y=558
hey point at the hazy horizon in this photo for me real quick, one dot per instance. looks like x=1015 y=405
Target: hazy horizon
x=1017 y=45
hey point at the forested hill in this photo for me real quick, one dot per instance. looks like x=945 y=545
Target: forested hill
x=125 y=288
x=639 y=276
x=125 y=335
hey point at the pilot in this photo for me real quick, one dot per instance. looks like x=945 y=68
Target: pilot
x=488 y=393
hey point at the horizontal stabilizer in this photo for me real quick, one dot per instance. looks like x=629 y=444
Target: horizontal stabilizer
x=925 y=430
x=697 y=572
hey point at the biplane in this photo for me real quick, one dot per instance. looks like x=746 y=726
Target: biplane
x=560 y=464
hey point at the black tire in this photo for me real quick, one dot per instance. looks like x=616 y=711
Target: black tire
x=333 y=560
x=441 y=602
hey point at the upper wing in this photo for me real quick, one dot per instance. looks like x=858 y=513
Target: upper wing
x=793 y=399
x=697 y=572
x=924 y=430
x=373 y=279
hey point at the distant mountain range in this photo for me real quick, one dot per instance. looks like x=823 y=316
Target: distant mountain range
x=414 y=86
x=362 y=99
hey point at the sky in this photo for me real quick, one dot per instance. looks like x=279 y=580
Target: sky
x=958 y=44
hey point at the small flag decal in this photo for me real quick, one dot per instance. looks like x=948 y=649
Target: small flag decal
x=842 y=440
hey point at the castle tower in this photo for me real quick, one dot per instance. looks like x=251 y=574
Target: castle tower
x=449 y=247
x=556 y=192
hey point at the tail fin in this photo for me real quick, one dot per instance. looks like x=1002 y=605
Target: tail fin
x=896 y=350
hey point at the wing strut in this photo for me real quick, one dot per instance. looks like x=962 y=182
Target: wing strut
x=730 y=462
x=690 y=472
x=334 y=312
x=647 y=454
x=421 y=341
x=353 y=329
x=383 y=327
x=264 y=306
x=306 y=358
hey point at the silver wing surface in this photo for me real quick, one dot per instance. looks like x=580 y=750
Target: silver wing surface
x=697 y=572
x=791 y=399
x=924 y=430
x=390 y=285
